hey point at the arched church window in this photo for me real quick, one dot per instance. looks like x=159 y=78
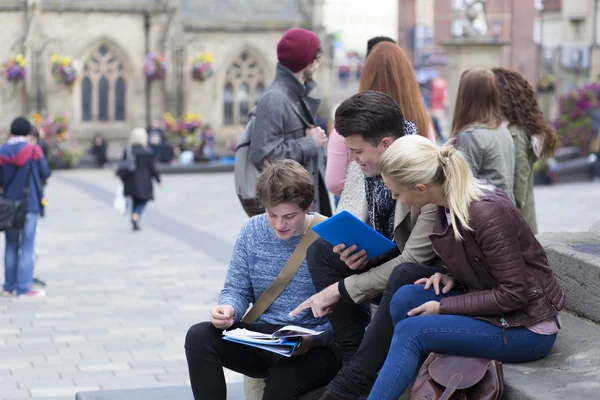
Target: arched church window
x=120 y=90
x=103 y=87
x=243 y=100
x=245 y=83
x=103 y=99
x=86 y=99
x=260 y=89
x=228 y=104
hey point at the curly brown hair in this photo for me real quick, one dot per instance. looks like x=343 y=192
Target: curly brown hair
x=518 y=103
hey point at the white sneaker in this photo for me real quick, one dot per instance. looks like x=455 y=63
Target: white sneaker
x=33 y=294
x=6 y=293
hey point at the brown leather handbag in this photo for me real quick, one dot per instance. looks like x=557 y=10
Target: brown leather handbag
x=444 y=377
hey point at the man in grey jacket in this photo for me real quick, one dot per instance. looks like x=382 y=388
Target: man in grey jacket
x=285 y=124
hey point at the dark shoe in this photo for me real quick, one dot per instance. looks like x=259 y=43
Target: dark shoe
x=135 y=225
x=39 y=282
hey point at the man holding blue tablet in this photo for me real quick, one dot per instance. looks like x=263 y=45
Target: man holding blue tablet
x=346 y=282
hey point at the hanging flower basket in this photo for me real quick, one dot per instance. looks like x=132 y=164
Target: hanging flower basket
x=155 y=66
x=202 y=67
x=14 y=69
x=63 y=70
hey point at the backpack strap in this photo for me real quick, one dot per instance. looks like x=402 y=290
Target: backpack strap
x=28 y=179
x=286 y=275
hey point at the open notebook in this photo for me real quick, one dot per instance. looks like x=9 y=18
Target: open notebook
x=283 y=342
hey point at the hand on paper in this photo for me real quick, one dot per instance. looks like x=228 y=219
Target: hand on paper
x=353 y=259
x=320 y=303
x=222 y=316
x=304 y=346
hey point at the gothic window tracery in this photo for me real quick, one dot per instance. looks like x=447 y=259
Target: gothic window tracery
x=244 y=85
x=103 y=87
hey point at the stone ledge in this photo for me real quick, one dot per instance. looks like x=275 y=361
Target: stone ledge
x=234 y=392
x=575 y=259
x=194 y=168
x=571 y=371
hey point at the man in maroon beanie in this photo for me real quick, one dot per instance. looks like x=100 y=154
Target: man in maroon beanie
x=284 y=120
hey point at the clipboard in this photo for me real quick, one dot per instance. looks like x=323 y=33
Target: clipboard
x=347 y=229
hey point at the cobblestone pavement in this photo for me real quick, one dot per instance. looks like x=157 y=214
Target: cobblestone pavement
x=119 y=304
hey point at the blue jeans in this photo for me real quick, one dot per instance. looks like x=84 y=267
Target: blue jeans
x=138 y=207
x=415 y=337
x=19 y=256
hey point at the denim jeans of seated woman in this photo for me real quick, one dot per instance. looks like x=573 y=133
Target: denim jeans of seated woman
x=19 y=256
x=416 y=337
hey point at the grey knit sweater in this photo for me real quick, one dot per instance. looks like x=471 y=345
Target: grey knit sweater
x=258 y=257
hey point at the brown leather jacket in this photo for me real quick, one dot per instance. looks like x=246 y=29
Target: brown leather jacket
x=502 y=265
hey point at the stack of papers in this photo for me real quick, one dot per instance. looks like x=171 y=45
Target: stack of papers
x=283 y=342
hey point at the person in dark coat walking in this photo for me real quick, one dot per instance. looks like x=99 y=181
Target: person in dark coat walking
x=138 y=184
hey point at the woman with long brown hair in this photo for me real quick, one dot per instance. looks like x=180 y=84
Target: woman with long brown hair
x=387 y=69
x=481 y=136
x=532 y=135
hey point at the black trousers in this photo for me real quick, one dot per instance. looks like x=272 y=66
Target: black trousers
x=285 y=378
x=363 y=352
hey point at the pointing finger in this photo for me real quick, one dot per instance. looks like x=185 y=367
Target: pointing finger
x=301 y=307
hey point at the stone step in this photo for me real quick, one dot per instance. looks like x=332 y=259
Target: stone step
x=570 y=371
x=234 y=392
x=575 y=260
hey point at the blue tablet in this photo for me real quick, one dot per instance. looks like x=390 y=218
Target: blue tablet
x=347 y=229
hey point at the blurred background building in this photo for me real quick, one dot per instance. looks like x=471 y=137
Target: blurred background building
x=107 y=42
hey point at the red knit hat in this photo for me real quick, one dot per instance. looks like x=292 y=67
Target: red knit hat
x=297 y=49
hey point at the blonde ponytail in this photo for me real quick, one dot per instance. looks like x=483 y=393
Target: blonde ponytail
x=413 y=160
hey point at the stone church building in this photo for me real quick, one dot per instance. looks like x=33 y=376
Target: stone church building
x=108 y=40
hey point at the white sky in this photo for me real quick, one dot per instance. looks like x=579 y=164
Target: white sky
x=360 y=20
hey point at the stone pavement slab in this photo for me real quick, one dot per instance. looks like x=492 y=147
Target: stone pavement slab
x=119 y=304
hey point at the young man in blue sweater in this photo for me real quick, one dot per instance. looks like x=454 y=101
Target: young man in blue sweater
x=262 y=249
x=17 y=158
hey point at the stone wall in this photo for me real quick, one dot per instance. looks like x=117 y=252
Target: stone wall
x=80 y=35
x=12 y=98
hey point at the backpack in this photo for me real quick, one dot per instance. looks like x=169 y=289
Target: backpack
x=245 y=173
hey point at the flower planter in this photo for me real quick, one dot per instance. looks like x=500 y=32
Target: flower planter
x=202 y=68
x=14 y=70
x=63 y=70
